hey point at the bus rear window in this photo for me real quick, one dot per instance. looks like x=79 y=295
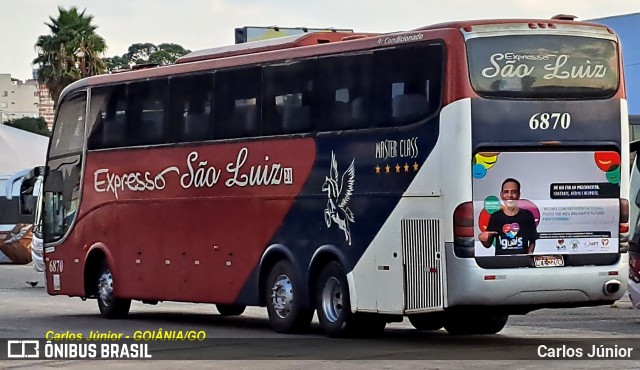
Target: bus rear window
x=543 y=66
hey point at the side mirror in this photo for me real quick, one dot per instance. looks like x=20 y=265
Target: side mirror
x=53 y=182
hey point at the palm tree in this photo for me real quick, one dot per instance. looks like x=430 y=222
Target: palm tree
x=72 y=51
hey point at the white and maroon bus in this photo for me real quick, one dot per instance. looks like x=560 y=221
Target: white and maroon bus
x=350 y=175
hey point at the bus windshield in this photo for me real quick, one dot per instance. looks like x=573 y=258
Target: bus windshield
x=543 y=66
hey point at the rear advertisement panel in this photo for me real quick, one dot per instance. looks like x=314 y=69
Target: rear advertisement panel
x=568 y=203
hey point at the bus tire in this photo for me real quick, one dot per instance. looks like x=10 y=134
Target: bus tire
x=110 y=306
x=428 y=321
x=333 y=305
x=230 y=309
x=461 y=325
x=286 y=313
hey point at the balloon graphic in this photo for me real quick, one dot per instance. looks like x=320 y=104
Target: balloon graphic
x=606 y=160
x=482 y=162
x=613 y=176
x=486 y=160
x=492 y=204
x=479 y=171
x=483 y=220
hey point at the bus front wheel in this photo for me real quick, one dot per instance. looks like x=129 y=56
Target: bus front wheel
x=286 y=313
x=110 y=306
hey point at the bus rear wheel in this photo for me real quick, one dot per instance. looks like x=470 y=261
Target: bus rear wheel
x=286 y=313
x=428 y=321
x=110 y=306
x=472 y=324
x=333 y=305
x=230 y=309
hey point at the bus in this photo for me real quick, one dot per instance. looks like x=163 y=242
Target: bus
x=18 y=198
x=352 y=175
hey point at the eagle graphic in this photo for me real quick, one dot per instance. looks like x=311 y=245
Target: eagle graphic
x=339 y=192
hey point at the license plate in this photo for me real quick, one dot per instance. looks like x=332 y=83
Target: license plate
x=548 y=261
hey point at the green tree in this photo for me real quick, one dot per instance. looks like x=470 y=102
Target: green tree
x=167 y=54
x=115 y=63
x=72 y=51
x=35 y=125
x=142 y=53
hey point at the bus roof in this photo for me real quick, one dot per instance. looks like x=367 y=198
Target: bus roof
x=306 y=45
x=535 y=23
x=286 y=42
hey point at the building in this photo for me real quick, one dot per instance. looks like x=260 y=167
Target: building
x=17 y=98
x=46 y=106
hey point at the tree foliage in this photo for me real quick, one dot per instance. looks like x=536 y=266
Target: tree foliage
x=143 y=53
x=35 y=125
x=70 y=52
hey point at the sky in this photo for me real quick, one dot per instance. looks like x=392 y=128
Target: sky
x=202 y=24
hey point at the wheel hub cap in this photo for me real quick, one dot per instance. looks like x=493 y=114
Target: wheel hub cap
x=332 y=299
x=282 y=296
x=105 y=288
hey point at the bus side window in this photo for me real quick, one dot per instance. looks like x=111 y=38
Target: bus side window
x=341 y=118
x=408 y=84
x=115 y=130
x=106 y=123
x=237 y=100
x=295 y=119
x=146 y=112
x=244 y=119
x=114 y=124
x=360 y=111
x=196 y=124
x=344 y=87
x=409 y=108
x=288 y=96
x=191 y=107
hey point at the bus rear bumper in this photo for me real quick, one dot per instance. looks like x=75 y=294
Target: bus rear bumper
x=470 y=285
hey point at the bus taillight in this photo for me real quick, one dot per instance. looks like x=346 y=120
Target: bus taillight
x=624 y=225
x=463 y=234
